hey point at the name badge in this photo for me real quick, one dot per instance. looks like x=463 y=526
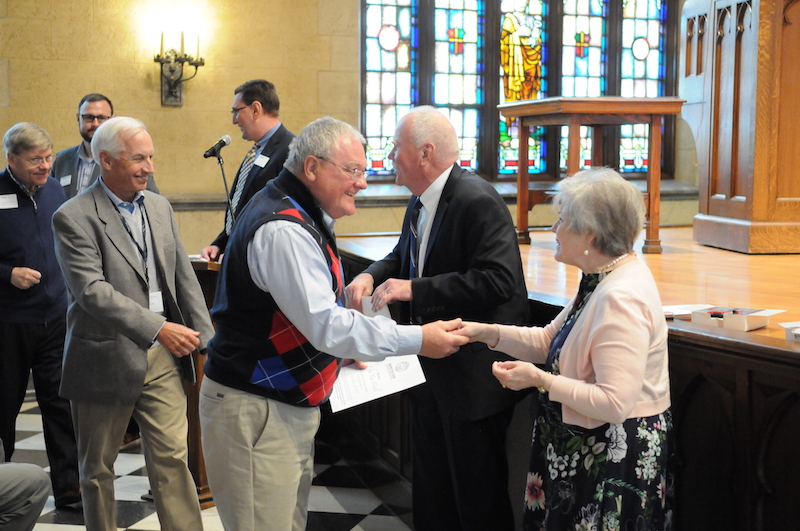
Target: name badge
x=261 y=161
x=66 y=180
x=9 y=201
x=156 y=302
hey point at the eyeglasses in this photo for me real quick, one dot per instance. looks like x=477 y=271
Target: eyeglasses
x=89 y=118
x=355 y=173
x=235 y=110
x=37 y=161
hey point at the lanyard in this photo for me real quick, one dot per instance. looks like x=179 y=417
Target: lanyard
x=141 y=248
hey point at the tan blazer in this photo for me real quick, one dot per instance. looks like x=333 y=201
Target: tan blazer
x=109 y=324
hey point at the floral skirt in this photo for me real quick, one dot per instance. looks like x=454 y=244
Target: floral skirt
x=613 y=477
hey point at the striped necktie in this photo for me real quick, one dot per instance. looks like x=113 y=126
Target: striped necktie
x=247 y=165
x=414 y=254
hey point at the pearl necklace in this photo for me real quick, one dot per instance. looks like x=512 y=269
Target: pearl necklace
x=603 y=271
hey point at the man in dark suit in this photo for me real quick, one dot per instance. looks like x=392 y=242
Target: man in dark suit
x=255 y=110
x=468 y=265
x=75 y=167
x=136 y=312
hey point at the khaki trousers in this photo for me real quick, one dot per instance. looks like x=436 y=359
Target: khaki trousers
x=160 y=412
x=259 y=456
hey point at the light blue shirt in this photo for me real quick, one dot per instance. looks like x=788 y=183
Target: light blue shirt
x=132 y=214
x=285 y=261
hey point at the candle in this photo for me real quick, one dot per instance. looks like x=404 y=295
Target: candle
x=198 y=47
x=181 y=43
x=162 y=44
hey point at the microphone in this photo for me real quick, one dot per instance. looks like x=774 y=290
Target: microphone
x=214 y=150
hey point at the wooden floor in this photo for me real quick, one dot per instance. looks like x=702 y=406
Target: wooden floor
x=686 y=273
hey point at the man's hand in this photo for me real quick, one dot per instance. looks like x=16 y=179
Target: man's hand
x=361 y=286
x=438 y=341
x=392 y=290
x=178 y=339
x=25 y=277
x=360 y=365
x=211 y=253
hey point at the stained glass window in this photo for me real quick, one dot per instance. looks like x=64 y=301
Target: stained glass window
x=393 y=78
x=642 y=70
x=522 y=77
x=457 y=82
x=391 y=75
x=436 y=52
x=584 y=53
x=584 y=48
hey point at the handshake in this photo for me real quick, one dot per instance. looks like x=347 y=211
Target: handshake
x=442 y=338
x=439 y=338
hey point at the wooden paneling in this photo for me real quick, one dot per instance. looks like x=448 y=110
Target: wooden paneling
x=788 y=185
x=692 y=82
x=750 y=97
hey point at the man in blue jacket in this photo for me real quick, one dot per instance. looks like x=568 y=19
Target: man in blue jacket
x=33 y=304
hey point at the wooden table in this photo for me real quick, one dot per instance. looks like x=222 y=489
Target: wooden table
x=593 y=112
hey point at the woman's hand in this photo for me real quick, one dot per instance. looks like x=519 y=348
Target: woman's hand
x=485 y=333
x=518 y=375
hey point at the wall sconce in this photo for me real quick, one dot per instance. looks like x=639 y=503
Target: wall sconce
x=172 y=72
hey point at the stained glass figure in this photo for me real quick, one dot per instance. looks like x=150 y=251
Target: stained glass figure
x=522 y=53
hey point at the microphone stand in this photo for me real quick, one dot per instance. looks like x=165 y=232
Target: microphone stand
x=225 y=182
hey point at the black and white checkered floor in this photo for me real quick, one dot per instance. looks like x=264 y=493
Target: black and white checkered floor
x=350 y=492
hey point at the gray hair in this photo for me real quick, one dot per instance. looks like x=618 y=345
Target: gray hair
x=112 y=135
x=599 y=202
x=319 y=138
x=26 y=136
x=431 y=125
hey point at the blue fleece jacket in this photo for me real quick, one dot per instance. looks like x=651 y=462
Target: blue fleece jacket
x=26 y=240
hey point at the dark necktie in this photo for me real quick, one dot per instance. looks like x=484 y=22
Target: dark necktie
x=414 y=252
x=247 y=165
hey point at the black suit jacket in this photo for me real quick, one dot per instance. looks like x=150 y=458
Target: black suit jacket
x=277 y=149
x=472 y=270
x=65 y=171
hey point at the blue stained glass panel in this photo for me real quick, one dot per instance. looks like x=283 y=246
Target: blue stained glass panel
x=457 y=80
x=583 y=62
x=391 y=85
x=466 y=123
x=642 y=70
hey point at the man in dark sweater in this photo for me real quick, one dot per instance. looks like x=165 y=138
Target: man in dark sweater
x=33 y=304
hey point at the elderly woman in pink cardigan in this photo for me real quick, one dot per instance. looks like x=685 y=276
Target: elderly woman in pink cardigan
x=602 y=437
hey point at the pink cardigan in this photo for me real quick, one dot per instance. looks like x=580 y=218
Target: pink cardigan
x=614 y=363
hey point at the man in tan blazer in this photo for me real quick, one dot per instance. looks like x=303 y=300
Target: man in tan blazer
x=136 y=313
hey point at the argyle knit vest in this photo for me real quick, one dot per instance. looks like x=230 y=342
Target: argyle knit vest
x=256 y=348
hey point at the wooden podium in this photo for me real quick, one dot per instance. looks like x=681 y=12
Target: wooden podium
x=207 y=276
x=741 y=81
